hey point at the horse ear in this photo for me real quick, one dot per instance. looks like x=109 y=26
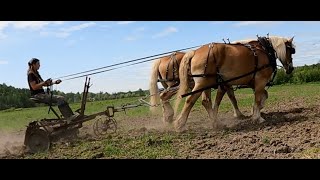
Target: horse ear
x=290 y=40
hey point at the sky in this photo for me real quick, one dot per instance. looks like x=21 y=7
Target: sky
x=68 y=47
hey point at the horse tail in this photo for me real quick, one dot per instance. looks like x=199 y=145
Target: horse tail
x=154 y=91
x=183 y=76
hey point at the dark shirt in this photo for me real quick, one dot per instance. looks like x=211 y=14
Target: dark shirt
x=33 y=77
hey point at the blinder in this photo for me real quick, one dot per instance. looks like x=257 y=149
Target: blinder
x=292 y=50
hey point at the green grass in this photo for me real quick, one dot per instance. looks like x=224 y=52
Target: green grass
x=148 y=146
x=13 y=119
x=311 y=153
x=309 y=92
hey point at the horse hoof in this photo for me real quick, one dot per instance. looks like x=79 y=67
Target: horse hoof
x=167 y=124
x=241 y=116
x=167 y=121
x=181 y=130
x=215 y=125
x=177 y=126
x=261 y=120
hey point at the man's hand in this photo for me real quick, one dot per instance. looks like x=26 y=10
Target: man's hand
x=48 y=82
x=58 y=81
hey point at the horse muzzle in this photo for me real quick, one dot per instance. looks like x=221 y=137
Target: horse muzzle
x=290 y=69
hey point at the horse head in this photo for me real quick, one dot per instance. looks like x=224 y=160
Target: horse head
x=284 y=49
x=290 y=50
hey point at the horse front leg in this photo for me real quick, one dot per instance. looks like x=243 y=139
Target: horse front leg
x=264 y=98
x=260 y=97
x=236 y=111
x=180 y=122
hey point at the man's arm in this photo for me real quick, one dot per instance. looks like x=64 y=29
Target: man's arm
x=36 y=86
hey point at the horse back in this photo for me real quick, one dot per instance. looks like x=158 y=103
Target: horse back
x=236 y=60
x=169 y=67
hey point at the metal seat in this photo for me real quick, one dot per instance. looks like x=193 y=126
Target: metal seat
x=50 y=106
x=36 y=100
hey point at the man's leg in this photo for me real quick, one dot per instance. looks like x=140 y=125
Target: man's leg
x=63 y=106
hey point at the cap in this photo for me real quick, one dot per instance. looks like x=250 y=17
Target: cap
x=33 y=61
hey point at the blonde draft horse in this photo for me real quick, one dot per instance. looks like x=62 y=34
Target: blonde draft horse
x=229 y=62
x=166 y=70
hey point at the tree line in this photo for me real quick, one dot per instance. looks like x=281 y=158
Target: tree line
x=11 y=97
x=302 y=74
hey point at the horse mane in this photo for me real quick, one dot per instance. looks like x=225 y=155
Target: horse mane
x=245 y=41
x=278 y=44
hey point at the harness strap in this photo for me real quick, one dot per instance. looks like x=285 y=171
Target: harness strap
x=253 y=49
x=175 y=68
x=267 y=48
x=207 y=60
x=167 y=70
x=227 y=81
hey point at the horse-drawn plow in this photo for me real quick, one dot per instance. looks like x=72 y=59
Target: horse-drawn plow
x=41 y=133
x=254 y=67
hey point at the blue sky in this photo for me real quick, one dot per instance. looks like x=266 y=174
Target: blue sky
x=74 y=46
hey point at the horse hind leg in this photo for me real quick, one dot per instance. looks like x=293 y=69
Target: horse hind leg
x=207 y=103
x=167 y=109
x=219 y=96
x=236 y=112
x=179 y=123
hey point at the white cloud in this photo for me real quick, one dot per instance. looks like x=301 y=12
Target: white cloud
x=59 y=34
x=166 y=32
x=248 y=23
x=217 y=22
x=58 y=22
x=4 y=24
x=2 y=35
x=70 y=43
x=29 y=25
x=136 y=34
x=4 y=62
x=65 y=32
x=140 y=29
x=125 y=22
x=33 y=25
x=78 y=27
x=131 y=38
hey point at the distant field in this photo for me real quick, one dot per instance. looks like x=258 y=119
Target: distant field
x=18 y=119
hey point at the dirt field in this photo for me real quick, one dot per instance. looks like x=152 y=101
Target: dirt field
x=291 y=130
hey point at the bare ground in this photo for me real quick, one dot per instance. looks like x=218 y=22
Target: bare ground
x=291 y=130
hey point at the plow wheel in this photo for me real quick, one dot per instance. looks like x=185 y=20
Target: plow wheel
x=104 y=125
x=38 y=141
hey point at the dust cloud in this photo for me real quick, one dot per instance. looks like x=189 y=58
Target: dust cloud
x=11 y=144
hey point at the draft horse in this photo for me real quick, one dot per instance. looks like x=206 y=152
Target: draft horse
x=166 y=71
x=250 y=63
